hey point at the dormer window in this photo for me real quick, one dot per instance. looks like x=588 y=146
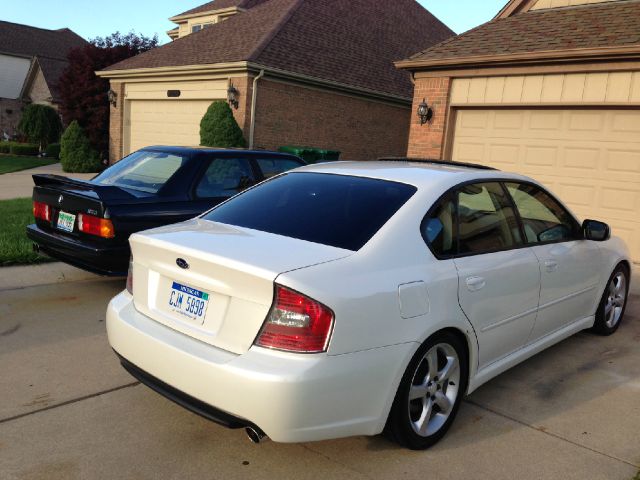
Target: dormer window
x=196 y=28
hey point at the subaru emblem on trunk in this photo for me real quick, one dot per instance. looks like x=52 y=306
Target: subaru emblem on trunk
x=60 y=199
x=182 y=263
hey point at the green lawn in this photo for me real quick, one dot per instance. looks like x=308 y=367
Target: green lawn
x=10 y=163
x=15 y=247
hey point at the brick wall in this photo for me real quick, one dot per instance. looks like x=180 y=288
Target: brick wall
x=361 y=129
x=427 y=141
x=116 y=115
x=39 y=91
x=10 y=115
x=244 y=85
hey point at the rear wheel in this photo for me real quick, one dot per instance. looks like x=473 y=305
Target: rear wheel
x=613 y=302
x=430 y=393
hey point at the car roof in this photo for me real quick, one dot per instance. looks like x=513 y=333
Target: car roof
x=198 y=149
x=421 y=174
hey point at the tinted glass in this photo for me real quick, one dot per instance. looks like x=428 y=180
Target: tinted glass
x=437 y=228
x=486 y=221
x=225 y=177
x=544 y=219
x=274 y=166
x=142 y=170
x=336 y=210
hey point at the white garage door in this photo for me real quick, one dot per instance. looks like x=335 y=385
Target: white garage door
x=590 y=158
x=164 y=122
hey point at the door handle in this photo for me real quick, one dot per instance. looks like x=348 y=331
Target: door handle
x=551 y=266
x=475 y=283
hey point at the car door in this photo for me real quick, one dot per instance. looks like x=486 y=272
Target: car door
x=220 y=180
x=569 y=265
x=499 y=277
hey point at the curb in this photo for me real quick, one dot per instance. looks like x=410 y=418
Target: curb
x=23 y=276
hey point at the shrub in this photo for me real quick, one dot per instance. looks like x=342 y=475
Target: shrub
x=53 y=150
x=76 y=154
x=40 y=124
x=24 y=149
x=5 y=147
x=219 y=128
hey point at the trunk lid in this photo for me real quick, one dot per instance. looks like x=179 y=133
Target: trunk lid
x=232 y=268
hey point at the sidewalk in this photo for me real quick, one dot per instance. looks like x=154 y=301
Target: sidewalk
x=20 y=184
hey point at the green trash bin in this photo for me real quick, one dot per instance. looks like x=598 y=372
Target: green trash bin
x=311 y=154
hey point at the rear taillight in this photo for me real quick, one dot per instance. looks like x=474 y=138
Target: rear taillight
x=130 y=277
x=101 y=227
x=296 y=324
x=42 y=211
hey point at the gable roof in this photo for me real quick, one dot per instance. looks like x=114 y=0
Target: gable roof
x=567 y=32
x=46 y=48
x=352 y=42
x=220 y=5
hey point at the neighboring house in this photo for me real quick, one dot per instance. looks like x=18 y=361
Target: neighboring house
x=314 y=72
x=550 y=89
x=31 y=62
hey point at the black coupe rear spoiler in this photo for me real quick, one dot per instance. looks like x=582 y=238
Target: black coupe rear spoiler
x=104 y=192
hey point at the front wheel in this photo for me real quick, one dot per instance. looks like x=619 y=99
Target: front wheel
x=430 y=393
x=613 y=302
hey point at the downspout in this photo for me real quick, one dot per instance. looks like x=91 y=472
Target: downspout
x=253 y=108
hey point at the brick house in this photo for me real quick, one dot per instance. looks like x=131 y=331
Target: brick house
x=31 y=61
x=550 y=89
x=313 y=72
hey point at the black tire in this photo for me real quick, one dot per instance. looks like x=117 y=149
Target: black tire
x=603 y=325
x=400 y=426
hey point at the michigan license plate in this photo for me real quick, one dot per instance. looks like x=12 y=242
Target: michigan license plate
x=188 y=302
x=66 y=221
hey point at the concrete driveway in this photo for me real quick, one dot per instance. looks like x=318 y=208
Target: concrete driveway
x=20 y=184
x=68 y=411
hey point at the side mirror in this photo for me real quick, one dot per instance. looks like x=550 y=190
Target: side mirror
x=596 y=231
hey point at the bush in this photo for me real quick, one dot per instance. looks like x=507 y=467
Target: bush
x=5 y=147
x=76 y=154
x=24 y=149
x=40 y=124
x=219 y=128
x=53 y=150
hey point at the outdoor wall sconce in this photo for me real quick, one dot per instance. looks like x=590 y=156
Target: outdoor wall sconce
x=425 y=112
x=113 y=97
x=232 y=96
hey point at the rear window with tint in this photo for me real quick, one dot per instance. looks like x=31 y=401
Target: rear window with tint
x=336 y=210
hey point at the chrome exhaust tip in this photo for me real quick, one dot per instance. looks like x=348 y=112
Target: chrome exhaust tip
x=255 y=435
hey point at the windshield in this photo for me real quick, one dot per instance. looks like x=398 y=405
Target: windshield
x=337 y=210
x=143 y=170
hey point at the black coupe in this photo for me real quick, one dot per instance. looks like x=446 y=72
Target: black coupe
x=87 y=223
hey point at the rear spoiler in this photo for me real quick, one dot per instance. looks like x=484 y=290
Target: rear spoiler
x=104 y=192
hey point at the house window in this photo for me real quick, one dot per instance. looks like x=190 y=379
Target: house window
x=196 y=28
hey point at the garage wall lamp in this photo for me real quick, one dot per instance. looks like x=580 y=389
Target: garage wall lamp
x=425 y=112
x=232 y=96
x=112 y=96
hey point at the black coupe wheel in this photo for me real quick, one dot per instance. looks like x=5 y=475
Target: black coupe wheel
x=430 y=393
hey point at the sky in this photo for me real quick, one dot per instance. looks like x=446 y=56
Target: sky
x=98 y=19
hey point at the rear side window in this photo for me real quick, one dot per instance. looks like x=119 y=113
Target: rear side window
x=143 y=170
x=336 y=210
x=224 y=178
x=439 y=226
x=274 y=166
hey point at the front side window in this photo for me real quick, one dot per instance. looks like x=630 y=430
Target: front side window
x=486 y=220
x=274 y=166
x=145 y=171
x=337 y=210
x=543 y=218
x=225 y=177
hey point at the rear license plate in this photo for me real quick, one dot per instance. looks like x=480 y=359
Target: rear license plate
x=188 y=302
x=66 y=221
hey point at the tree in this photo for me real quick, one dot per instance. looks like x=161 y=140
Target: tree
x=219 y=128
x=40 y=124
x=84 y=95
x=76 y=154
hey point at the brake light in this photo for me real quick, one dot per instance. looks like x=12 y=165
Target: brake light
x=102 y=227
x=296 y=323
x=130 y=277
x=42 y=211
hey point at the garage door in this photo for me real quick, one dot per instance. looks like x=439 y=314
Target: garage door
x=164 y=122
x=590 y=158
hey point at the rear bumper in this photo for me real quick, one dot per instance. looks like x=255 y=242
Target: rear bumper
x=102 y=260
x=292 y=398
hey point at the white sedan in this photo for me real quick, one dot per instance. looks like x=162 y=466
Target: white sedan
x=355 y=298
